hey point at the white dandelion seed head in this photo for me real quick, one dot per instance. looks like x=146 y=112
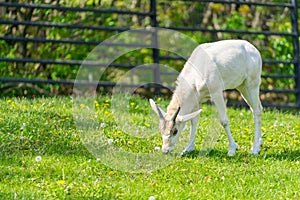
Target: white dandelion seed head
x=38 y=158
x=23 y=125
x=102 y=125
x=156 y=148
x=110 y=141
x=152 y=198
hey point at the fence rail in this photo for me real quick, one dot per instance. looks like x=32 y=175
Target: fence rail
x=152 y=14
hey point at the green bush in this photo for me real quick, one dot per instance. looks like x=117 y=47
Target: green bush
x=169 y=14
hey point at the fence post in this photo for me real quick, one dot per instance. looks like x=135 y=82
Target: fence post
x=295 y=31
x=155 y=51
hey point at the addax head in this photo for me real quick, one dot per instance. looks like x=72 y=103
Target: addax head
x=172 y=127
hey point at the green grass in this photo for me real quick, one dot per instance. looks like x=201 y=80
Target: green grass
x=45 y=127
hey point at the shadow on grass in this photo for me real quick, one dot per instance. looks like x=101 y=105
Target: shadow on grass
x=287 y=154
x=215 y=154
x=60 y=148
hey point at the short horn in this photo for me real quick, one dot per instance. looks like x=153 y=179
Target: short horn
x=175 y=115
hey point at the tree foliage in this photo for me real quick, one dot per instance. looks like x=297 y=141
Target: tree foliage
x=192 y=14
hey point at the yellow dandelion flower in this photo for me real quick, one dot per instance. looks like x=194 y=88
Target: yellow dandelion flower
x=147 y=124
x=246 y=129
x=112 y=172
x=243 y=182
x=130 y=142
x=263 y=129
x=106 y=101
x=132 y=104
x=107 y=113
x=70 y=187
x=158 y=99
x=296 y=141
x=61 y=182
x=269 y=139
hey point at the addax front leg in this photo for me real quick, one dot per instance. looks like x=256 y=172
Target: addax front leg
x=191 y=145
x=221 y=106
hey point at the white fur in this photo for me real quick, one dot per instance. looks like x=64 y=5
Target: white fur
x=212 y=68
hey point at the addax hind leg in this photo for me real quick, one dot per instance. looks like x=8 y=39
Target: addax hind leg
x=251 y=96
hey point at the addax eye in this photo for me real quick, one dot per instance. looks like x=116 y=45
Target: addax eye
x=175 y=131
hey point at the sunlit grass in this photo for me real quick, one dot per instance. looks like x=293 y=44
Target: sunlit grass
x=42 y=155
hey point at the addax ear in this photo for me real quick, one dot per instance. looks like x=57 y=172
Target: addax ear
x=184 y=118
x=157 y=109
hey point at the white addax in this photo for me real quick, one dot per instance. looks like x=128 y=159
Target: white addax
x=212 y=68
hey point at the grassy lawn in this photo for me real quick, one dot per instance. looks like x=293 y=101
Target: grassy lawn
x=43 y=156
